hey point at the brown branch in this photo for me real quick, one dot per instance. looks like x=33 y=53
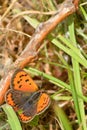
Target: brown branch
x=30 y=52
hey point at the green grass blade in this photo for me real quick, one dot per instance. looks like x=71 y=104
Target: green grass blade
x=73 y=47
x=33 y=22
x=64 y=122
x=84 y=12
x=79 y=104
x=80 y=32
x=53 y=80
x=50 y=78
x=12 y=117
x=70 y=52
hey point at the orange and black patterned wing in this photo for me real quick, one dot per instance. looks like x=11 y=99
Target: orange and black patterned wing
x=43 y=103
x=27 y=114
x=29 y=109
x=16 y=98
x=23 y=82
x=28 y=106
x=37 y=103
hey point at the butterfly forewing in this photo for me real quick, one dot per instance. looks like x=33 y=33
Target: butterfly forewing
x=22 y=81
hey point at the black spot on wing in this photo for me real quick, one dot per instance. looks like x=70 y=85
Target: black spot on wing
x=20 y=86
x=27 y=80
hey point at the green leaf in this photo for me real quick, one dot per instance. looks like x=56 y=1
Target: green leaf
x=12 y=117
x=64 y=122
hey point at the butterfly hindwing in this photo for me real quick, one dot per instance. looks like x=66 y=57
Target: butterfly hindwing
x=35 y=105
x=16 y=98
x=43 y=103
x=9 y=98
x=29 y=110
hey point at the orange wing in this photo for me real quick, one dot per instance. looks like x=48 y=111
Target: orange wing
x=22 y=81
x=35 y=106
x=17 y=98
x=25 y=118
x=43 y=103
x=9 y=99
x=23 y=104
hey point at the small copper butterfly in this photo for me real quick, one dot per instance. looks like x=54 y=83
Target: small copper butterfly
x=25 y=97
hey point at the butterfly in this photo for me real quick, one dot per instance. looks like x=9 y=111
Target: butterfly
x=25 y=96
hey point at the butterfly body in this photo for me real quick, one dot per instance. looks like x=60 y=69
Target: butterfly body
x=25 y=97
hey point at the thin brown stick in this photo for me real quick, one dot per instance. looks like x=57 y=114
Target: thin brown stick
x=30 y=52
x=65 y=9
